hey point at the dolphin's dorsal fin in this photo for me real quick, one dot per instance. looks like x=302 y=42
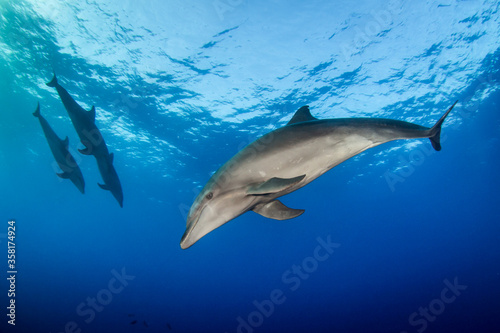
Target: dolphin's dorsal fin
x=104 y=187
x=274 y=185
x=302 y=114
x=66 y=142
x=277 y=211
x=92 y=114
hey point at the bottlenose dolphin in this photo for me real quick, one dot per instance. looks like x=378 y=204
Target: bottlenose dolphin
x=110 y=177
x=83 y=121
x=91 y=138
x=287 y=159
x=61 y=153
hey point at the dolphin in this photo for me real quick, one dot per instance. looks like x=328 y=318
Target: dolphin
x=83 y=121
x=287 y=159
x=91 y=138
x=61 y=153
x=110 y=177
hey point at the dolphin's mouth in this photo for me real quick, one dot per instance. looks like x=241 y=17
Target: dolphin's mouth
x=184 y=240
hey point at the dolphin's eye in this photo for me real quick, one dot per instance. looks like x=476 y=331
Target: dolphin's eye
x=209 y=196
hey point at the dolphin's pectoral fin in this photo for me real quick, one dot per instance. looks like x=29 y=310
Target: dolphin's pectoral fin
x=87 y=150
x=274 y=185
x=63 y=175
x=104 y=187
x=277 y=211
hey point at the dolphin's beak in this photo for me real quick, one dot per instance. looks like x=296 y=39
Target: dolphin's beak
x=79 y=183
x=185 y=243
x=187 y=239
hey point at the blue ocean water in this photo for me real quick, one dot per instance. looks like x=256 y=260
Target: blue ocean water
x=398 y=239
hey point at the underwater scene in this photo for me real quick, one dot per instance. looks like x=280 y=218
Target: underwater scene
x=242 y=166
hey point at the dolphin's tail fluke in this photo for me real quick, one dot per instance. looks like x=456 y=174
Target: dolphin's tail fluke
x=53 y=82
x=37 y=111
x=435 y=131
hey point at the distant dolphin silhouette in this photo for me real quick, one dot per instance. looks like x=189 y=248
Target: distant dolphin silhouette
x=287 y=159
x=61 y=153
x=91 y=138
x=110 y=177
x=83 y=121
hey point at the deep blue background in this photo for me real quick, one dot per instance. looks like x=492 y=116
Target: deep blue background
x=397 y=244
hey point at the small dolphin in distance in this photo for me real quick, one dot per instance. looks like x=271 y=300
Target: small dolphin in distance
x=83 y=121
x=61 y=153
x=287 y=159
x=90 y=136
x=110 y=177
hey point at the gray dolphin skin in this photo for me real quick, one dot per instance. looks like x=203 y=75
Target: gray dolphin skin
x=287 y=159
x=61 y=153
x=90 y=136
